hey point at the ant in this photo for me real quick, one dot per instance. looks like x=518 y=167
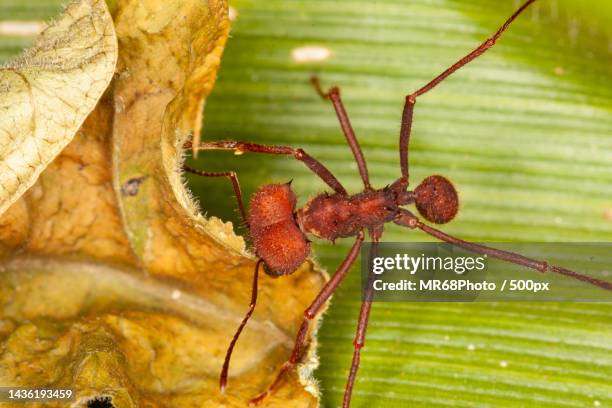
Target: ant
x=278 y=230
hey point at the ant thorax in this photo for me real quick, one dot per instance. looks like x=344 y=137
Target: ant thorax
x=338 y=216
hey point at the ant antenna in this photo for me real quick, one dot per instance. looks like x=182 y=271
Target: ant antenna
x=230 y=349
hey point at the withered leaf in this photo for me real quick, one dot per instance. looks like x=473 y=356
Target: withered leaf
x=112 y=282
x=47 y=92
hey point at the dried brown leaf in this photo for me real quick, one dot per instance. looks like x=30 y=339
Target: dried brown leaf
x=46 y=93
x=108 y=262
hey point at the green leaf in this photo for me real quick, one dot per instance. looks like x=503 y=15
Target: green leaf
x=524 y=132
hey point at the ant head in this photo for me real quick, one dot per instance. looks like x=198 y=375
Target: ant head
x=276 y=236
x=436 y=199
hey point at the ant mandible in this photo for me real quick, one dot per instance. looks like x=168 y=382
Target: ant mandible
x=278 y=231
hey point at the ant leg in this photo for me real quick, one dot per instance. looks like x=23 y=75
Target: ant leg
x=405 y=135
x=230 y=349
x=300 y=340
x=411 y=99
x=362 y=326
x=240 y=147
x=407 y=219
x=233 y=177
x=478 y=51
x=334 y=96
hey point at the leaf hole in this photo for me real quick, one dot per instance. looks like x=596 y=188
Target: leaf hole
x=100 y=402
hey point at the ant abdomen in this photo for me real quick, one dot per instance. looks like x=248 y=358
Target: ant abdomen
x=436 y=199
x=276 y=237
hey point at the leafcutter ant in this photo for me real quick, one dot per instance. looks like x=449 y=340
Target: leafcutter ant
x=278 y=231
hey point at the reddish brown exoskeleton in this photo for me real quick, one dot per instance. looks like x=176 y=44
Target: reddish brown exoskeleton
x=278 y=230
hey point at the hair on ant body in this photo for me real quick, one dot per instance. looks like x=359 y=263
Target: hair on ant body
x=278 y=231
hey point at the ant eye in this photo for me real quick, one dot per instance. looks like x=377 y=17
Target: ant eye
x=436 y=199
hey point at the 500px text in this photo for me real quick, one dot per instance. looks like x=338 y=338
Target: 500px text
x=513 y=285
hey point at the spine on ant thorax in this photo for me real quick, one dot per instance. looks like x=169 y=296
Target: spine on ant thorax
x=337 y=216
